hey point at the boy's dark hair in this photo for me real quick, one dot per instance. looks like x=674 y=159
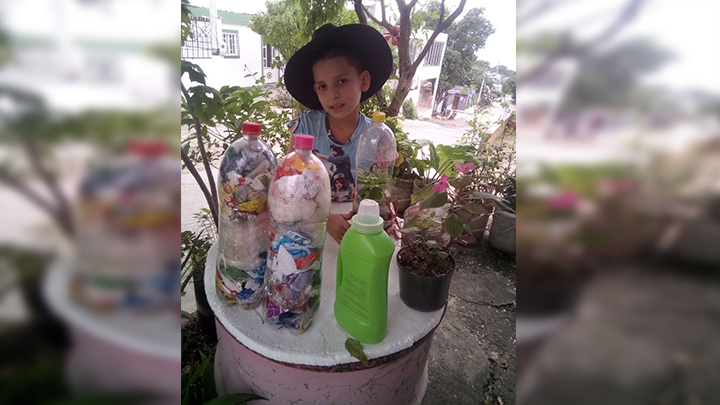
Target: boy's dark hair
x=340 y=52
x=338 y=149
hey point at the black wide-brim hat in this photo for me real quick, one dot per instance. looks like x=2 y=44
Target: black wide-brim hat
x=365 y=41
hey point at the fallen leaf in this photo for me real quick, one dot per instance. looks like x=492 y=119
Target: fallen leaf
x=355 y=349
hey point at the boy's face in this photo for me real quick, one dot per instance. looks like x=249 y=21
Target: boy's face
x=339 y=86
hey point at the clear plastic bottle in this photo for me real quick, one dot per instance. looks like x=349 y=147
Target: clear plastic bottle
x=299 y=203
x=128 y=219
x=361 y=299
x=245 y=175
x=376 y=153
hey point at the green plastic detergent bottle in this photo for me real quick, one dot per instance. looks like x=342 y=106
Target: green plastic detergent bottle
x=361 y=296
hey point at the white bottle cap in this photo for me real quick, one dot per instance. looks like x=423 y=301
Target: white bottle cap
x=368 y=219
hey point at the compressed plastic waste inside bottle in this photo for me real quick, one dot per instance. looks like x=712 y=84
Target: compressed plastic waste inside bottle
x=128 y=222
x=376 y=154
x=245 y=175
x=361 y=299
x=299 y=201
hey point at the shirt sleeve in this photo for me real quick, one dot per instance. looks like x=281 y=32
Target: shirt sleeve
x=297 y=125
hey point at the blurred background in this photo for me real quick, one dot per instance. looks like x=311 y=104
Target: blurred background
x=618 y=154
x=89 y=191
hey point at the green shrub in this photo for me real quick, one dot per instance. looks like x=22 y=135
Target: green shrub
x=409 y=110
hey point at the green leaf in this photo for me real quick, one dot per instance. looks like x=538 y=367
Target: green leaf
x=233 y=399
x=461 y=183
x=195 y=375
x=453 y=226
x=355 y=349
x=486 y=196
x=426 y=192
x=194 y=71
x=376 y=194
x=475 y=208
x=502 y=206
x=431 y=244
x=435 y=201
x=457 y=154
x=434 y=158
x=443 y=254
x=411 y=222
x=426 y=223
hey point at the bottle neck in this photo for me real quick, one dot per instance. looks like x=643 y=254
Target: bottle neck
x=303 y=152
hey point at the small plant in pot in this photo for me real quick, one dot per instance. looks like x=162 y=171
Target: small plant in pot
x=425 y=261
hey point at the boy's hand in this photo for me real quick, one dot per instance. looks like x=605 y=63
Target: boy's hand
x=338 y=224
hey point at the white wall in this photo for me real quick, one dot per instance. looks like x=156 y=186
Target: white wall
x=222 y=71
x=427 y=73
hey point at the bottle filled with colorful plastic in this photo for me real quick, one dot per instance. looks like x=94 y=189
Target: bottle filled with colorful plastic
x=375 y=158
x=361 y=298
x=299 y=201
x=245 y=175
x=128 y=218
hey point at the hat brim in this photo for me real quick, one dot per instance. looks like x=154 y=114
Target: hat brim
x=369 y=45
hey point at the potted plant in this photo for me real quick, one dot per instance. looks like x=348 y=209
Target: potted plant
x=425 y=260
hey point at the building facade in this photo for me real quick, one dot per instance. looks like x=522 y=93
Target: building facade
x=229 y=51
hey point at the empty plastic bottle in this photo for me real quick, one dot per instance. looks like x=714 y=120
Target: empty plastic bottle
x=376 y=154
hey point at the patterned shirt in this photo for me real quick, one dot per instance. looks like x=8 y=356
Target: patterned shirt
x=340 y=161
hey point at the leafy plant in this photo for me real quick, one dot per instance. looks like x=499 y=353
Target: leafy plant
x=429 y=236
x=373 y=184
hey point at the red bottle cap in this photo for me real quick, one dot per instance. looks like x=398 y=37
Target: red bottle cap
x=251 y=128
x=147 y=147
x=305 y=142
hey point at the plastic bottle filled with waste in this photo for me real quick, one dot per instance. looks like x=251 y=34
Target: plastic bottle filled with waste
x=245 y=175
x=374 y=160
x=128 y=219
x=361 y=298
x=299 y=201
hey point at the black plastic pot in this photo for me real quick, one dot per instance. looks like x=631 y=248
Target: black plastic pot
x=422 y=293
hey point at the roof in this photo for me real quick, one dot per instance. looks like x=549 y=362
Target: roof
x=228 y=17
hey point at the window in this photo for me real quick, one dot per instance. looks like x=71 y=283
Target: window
x=269 y=54
x=231 y=43
x=434 y=55
x=198 y=45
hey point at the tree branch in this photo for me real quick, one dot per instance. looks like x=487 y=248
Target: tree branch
x=203 y=155
x=66 y=225
x=382 y=23
x=360 y=11
x=442 y=26
x=203 y=187
x=62 y=210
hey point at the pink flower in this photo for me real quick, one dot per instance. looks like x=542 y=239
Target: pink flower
x=567 y=200
x=442 y=185
x=465 y=168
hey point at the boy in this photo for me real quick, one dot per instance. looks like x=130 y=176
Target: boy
x=332 y=74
